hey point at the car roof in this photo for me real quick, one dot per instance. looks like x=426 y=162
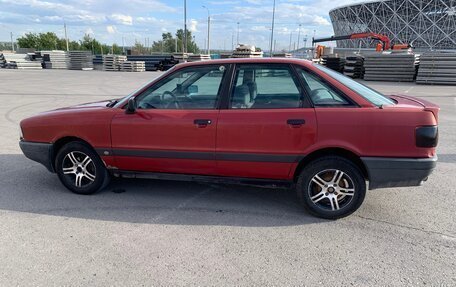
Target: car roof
x=249 y=61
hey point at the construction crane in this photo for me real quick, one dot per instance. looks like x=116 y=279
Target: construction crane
x=384 y=45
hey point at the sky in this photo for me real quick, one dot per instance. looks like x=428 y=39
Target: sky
x=127 y=21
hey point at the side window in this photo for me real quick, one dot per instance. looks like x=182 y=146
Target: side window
x=265 y=87
x=190 y=88
x=321 y=93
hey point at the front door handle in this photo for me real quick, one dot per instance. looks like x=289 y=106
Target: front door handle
x=202 y=123
x=296 y=122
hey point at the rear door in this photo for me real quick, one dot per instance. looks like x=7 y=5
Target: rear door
x=174 y=127
x=266 y=125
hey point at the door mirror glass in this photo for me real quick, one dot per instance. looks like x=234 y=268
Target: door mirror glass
x=131 y=106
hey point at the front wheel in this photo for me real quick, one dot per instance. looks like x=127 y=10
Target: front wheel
x=80 y=169
x=331 y=187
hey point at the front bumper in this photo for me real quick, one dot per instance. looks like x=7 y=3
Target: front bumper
x=397 y=172
x=39 y=152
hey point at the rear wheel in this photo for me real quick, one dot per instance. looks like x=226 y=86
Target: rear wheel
x=331 y=187
x=80 y=169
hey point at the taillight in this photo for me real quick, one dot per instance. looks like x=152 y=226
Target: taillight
x=427 y=136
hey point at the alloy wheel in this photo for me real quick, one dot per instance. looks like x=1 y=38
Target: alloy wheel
x=79 y=169
x=331 y=189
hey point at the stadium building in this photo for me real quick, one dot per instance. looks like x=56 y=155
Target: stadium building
x=425 y=24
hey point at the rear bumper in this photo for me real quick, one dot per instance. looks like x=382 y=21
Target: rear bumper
x=397 y=172
x=39 y=152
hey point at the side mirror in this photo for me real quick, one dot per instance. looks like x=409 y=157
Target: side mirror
x=131 y=106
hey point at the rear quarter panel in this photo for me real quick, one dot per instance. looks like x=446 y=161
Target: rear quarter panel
x=388 y=132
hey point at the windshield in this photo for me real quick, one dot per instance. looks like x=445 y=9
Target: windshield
x=369 y=94
x=122 y=101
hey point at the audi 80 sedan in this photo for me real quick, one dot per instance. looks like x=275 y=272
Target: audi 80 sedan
x=256 y=121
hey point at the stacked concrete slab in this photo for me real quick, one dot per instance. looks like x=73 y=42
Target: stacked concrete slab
x=437 y=68
x=113 y=62
x=394 y=67
x=80 y=60
x=354 y=66
x=133 y=66
x=198 y=57
x=55 y=59
x=334 y=63
x=20 y=61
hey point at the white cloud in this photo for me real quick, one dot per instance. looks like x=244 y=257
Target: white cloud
x=111 y=29
x=193 y=27
x=321 y=21
x=122 y=19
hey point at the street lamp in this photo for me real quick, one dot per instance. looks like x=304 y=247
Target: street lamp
x=208 y=31
x=238 y=33
x=272 y=28
x=299 y=36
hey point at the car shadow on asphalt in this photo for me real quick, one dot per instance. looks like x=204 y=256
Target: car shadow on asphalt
x=26 y=186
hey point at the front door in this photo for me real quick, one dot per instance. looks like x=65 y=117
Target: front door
x=174 y=127
x=267 y=124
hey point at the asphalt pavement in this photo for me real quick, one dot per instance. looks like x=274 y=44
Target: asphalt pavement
x=150 y=232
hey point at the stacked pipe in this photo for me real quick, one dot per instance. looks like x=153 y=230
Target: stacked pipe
x=155 y=62
x=437 y=68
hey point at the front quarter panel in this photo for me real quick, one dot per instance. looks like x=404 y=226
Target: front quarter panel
x=90 y=125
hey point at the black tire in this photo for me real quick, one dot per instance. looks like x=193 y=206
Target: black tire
x=319 y=193
x=76 y=172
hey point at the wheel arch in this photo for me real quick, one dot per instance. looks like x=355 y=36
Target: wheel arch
x=353 y=157
x=58 y=144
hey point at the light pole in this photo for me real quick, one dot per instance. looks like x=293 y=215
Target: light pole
x=272 y=28
x=299 y=36
x=305 y=41
x=238 y=33
x=208 y=31
x=184 y=44
x=291 y=37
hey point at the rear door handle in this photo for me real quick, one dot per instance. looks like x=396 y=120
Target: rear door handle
x=201 y=123
x=296 y=122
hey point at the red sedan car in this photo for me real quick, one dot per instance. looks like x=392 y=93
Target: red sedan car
x=261 y=121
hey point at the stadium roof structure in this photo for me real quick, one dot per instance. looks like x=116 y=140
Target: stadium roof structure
x=425 y=24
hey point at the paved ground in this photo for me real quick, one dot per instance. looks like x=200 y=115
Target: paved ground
x=168 y=233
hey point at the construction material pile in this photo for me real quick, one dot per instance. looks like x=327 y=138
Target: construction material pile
x=133 y=66
x=113 y=62
x=437 y=68
x=334 y=63
x=80 y=60
x=198 y=57
x=98 y=62
x=394 y=67
x=19 y=61
x=246 y=51
x=55 y=59
x=155 y=62
x=354 y=66
x=282 y=55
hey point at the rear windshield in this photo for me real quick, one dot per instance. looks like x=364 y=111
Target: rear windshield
x=369 y=94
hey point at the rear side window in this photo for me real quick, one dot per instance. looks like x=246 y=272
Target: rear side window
x=322 y=94
x=265 y=87
x=369 y=94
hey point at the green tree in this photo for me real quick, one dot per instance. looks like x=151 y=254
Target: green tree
x=29 y=40
x=168 y=43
